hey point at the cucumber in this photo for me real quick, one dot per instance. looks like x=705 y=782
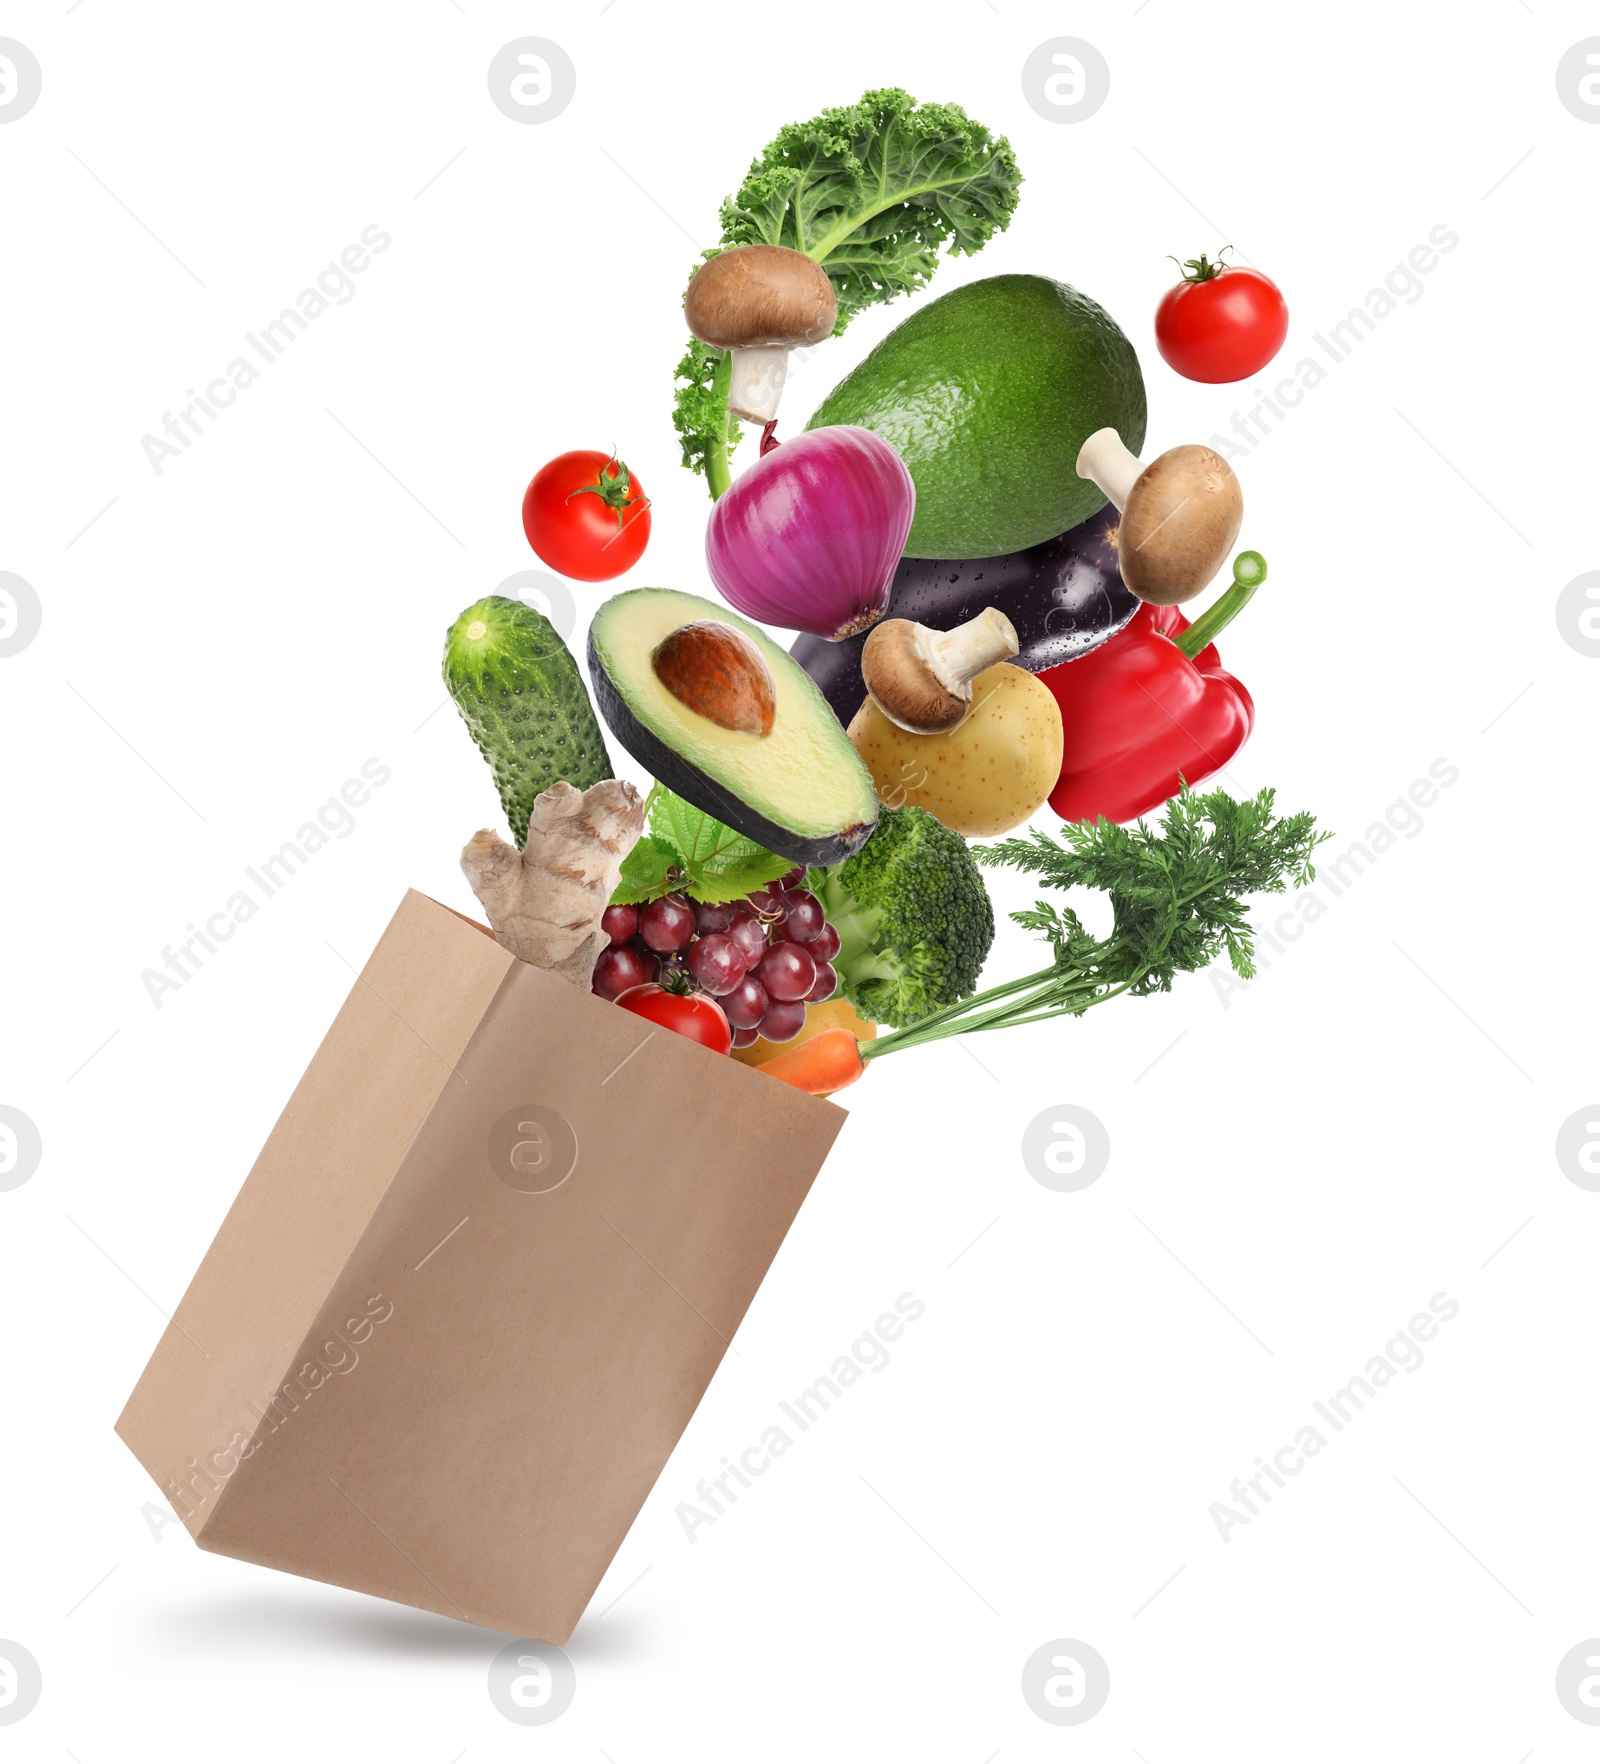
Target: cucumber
x=524 y=703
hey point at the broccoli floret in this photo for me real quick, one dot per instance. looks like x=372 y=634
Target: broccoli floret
x=913 y=918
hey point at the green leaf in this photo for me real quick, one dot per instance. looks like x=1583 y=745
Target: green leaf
x=691 y=830
x=648 y=871
x=874 y=190
x=687 y=848
x=736 y=855
x=721 y=885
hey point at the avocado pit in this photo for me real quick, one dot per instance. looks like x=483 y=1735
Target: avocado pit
x=717 y=672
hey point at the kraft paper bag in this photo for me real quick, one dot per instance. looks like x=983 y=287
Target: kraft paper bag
x=474 y=1287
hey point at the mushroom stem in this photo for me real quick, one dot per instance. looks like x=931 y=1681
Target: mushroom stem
x=921 y=679
x=756 y=384
x=957 y=657
x=1105 y=461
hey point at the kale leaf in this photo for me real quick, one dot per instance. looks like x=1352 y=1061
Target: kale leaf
x=690 y=850
x=874 y=190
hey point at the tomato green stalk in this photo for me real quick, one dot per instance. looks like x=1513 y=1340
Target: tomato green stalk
x=675 y=981
x=614 y=488
x=1200 y=269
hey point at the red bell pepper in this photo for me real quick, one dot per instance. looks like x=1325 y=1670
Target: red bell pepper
x=1151 y=708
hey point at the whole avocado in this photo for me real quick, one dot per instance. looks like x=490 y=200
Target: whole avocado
x=987 y=394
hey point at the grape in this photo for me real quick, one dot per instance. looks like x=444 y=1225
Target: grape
x=717 y=963
x=770 y=904
x=652 y=962
x=667 y=924
x=791 y=878
x=746 y=1037
x=804 y=918
x=788 y=972
x=709 y=919
x=747 y=1004
x=783 y=1022
x=827 y=984
x=825 y=945
x=620 y=923
x=617 y=969
x=749 y=936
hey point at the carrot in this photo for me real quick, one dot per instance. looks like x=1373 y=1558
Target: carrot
x=825 y=1063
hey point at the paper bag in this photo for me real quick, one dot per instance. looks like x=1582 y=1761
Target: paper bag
x=474 y=1287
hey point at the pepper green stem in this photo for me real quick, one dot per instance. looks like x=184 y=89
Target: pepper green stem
x=1249 y=572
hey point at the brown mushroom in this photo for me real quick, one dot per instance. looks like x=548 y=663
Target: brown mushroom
x=921 y=679
x=759 y=302
x=1180 y=514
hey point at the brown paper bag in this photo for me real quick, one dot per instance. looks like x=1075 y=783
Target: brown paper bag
x=474 y=1287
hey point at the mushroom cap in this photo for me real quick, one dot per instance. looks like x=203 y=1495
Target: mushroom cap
x=896 y=672
x=760 y=296
x=1182 y=517
x=921 y=679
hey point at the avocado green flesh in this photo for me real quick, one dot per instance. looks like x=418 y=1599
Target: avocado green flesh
x=987 y=394
x=524 y=703
x=804 y=779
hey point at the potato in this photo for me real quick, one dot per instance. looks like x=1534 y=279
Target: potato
x=985 y=777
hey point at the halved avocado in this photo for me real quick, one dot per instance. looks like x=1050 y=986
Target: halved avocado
x=801 y=790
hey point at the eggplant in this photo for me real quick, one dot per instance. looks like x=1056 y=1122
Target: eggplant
x=1065 y=597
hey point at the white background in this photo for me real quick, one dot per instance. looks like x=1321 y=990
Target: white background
x=1294 y=1170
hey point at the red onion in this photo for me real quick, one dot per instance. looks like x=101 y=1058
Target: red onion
x=808 y=537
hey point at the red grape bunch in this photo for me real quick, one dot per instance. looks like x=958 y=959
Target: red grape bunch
x=763 y=958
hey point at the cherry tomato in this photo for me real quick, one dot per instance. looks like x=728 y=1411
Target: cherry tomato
x=586 y=515
x=684 y=1013
x=1221 y=323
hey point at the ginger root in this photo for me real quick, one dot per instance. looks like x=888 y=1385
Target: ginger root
x=544 y=902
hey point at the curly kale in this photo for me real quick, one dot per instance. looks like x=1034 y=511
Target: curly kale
x=874 y=190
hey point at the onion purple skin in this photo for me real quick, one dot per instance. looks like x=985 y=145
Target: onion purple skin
x=1065 y=598
x=808 y=537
